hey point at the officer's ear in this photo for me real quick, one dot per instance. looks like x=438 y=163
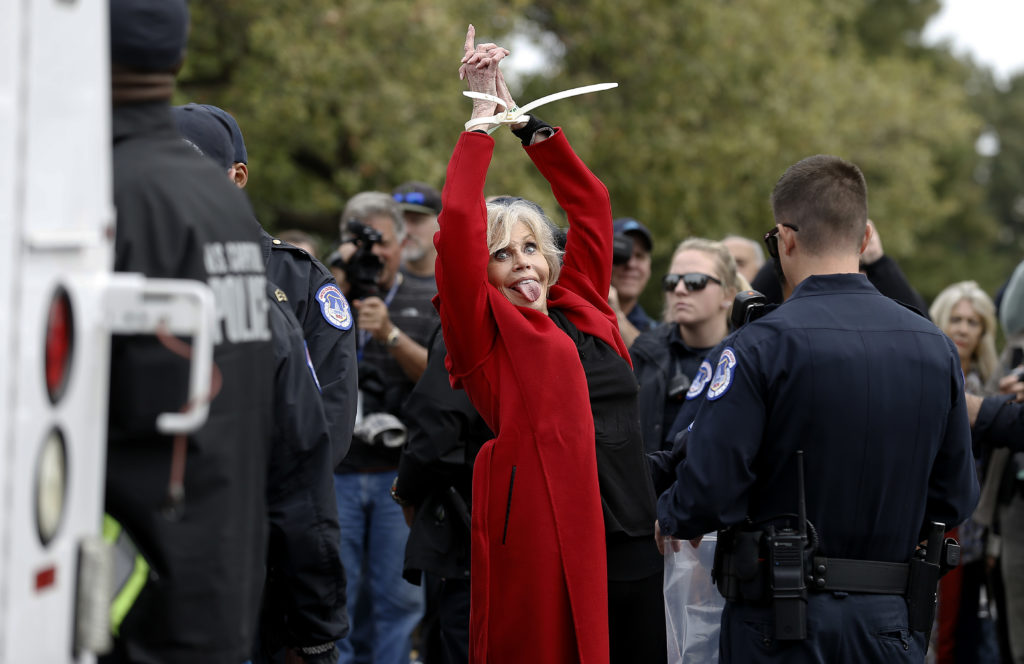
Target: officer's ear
x=787 y=240
x=239 y=174
x=868 y=232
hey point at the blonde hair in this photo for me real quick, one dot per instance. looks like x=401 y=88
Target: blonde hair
x=725 y=264
x=725 y=267
x=505 y=212
x=984 y=357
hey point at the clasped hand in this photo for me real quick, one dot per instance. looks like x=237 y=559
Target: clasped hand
x=479 y=68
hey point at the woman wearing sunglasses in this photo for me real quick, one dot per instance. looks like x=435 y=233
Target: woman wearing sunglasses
x=562 y=498
x=699 y=289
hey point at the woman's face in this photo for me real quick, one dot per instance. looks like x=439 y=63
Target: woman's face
x=965 y=328
x=693 y=308
x=520 y=271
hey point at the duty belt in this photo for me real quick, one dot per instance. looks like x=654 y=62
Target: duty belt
x=858 y=576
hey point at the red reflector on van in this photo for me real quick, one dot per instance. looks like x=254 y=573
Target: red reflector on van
x=46 y=578
x=60 y=330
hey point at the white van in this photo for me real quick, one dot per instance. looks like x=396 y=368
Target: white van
x=59 y=306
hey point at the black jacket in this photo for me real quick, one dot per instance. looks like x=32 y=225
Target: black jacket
x=179 y=217
x=435 y=471
x=326 y=321
x=662 y=364
x=304 y=599
x=1000 y=423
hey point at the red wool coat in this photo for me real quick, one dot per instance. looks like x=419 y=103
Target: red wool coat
x=539 y=578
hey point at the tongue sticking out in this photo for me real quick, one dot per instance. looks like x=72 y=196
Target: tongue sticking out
x=529 y=289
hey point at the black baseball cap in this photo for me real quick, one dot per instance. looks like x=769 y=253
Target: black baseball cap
x=148 y=35
x=624 y=225
x=205 y=131
x=236 y=133
x=417 y=197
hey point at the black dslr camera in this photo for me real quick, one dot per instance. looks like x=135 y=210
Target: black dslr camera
x=364 y=267
x=622 y=248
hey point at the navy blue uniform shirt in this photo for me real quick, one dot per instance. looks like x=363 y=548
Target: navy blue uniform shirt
x=327 y=325
x=873 y=395
x=304 y=595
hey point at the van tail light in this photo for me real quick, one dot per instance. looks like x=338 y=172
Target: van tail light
x=60 y=337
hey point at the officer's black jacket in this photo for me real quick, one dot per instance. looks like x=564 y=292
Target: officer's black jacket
x=870 y=391
x=435 y=471
x=1000 y=423
x=179 y=217
x=332 y=348
x=304 y=599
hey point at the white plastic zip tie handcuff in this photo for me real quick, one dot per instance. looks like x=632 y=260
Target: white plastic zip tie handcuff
x=517 y=114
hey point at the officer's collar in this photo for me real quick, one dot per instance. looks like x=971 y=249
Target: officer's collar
x=830 y=283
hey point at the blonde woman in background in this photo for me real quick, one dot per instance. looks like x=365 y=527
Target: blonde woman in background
x=967 y=315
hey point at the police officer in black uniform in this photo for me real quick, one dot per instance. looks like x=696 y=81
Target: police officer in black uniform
x=202 y=529
x=870 y=395
x=314 y=296
x=304 y=598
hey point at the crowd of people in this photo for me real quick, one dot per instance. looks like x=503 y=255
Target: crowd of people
x=462 y=434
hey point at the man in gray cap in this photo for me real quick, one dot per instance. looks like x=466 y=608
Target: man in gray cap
x=193 y=506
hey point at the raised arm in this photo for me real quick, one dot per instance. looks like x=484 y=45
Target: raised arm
x=461 y=269
x=587 y=269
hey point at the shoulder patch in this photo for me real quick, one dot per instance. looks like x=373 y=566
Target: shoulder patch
x=280 y=295
x=724 y=373
x=700 y=381
x=334 y=306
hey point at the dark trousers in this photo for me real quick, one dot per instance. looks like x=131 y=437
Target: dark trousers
x=841 y=629
x=453 y=619
x=636 y=621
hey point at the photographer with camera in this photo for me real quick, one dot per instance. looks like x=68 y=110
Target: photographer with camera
x=862 y=397
x=631 y=270
x=395 y=319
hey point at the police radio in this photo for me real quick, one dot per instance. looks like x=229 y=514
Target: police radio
x=787 y=549
x=747 y=306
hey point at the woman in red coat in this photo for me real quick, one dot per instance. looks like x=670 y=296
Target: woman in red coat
x=563 y=507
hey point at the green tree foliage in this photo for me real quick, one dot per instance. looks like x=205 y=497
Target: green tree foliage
x=1004 y=172
x=716 y=98
x=333 y=98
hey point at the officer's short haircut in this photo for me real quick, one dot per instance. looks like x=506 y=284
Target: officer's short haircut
x=827 y=199
x=367 y=204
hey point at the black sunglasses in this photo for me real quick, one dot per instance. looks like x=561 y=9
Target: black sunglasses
x=694 y=281
x=771 y=239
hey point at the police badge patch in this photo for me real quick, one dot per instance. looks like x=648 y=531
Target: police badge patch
x=724 y=374
x=334 y=306
x=700 y=381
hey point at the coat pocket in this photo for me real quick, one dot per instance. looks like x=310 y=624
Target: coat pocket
x=508 y=503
